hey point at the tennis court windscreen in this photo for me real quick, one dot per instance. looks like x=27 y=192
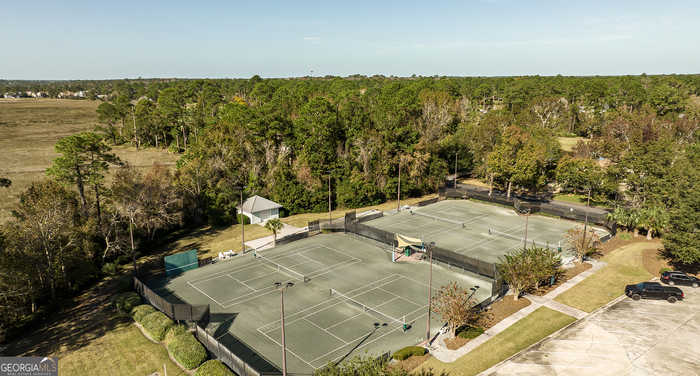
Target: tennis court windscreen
x=181 y=262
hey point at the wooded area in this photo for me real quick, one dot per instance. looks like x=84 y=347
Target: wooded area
x=283 y=138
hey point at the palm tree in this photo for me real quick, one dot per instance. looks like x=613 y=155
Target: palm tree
x=654 y=219
x=274 y=225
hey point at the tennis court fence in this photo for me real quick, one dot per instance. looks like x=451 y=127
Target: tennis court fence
x=523 y=204
x=175 y=311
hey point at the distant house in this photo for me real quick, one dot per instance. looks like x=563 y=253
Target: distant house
x=259 y=209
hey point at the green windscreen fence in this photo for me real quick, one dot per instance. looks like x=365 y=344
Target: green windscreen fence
x=181 y=262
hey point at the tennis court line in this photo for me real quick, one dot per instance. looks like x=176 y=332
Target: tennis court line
x=326 y=330
x=297 y=313
x=241 y=282
x=290 y=351
x=365 y=335
x=205 y=294
x=265 y=291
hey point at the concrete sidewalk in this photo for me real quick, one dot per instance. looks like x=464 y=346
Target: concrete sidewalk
x=440 y=351
x=267 y=241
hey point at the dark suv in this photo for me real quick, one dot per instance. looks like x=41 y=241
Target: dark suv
x=679 y=278
x=654 y=290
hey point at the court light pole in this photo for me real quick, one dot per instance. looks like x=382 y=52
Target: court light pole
x=456 y=152
x=430 y=291
x=527 y=217
x=241 y=188
x=282 y=287
x=398 y=190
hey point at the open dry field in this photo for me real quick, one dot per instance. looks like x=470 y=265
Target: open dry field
x=29 y=128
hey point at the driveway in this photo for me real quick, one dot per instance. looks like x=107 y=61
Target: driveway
x=646 y=337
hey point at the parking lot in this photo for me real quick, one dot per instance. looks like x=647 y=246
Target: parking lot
x=646 y=337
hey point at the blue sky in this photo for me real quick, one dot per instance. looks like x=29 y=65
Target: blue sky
x=94 y=40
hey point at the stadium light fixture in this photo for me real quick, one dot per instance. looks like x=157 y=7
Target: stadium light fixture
x=282 y=287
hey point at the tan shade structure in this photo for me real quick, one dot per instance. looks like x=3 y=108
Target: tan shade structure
x=406 y=241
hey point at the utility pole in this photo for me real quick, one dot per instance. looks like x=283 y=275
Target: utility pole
x=241 y=188
x=282 y=287
x=456 y=152
x=329 y=198
x=398 y=191
x=430 y=292
x=527 y=217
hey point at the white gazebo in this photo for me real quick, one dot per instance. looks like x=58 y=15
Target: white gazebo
x=259 y=209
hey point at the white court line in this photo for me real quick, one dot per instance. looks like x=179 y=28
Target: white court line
x=241 y=282
x=364 y=335
x=205 y=294
x=248 y=297
x=362 y=288
x=406 y=299
x=326 y=330
x=289 y=351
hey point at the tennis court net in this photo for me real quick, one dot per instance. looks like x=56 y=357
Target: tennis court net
x=365 y=308
x=522 y=240
x=452 y=221
x=281 y=268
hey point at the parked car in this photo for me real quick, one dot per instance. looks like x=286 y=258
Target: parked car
x=679 y=278
x=654 y=290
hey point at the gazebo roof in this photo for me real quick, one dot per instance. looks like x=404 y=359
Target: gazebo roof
x=256 y=203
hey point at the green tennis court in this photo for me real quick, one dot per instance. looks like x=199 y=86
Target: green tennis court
x=482 y=231
x=354 y=300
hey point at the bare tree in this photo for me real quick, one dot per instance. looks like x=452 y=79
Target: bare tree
x=582 y=242
x=456 y=306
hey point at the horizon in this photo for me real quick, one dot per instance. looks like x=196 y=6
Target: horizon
x=486 y=38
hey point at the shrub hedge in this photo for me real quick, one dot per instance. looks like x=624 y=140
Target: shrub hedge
x=126 y=301
x=156 y=324
x=187 y=350
x=213 y=368
x=141 y=311
x=469 y=332
x=173 y=332
x=408 y=352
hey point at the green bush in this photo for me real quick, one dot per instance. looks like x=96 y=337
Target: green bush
x=124 y=283
x=126 y=301
x=469 y=332
x=156 y=324
x=123 y=259
x=408 y=352
x=213 y=368
x=243 y=218
x=110 y=268
x=174 y=332
x=187 y=351
x=139 y=312
x=624 y=235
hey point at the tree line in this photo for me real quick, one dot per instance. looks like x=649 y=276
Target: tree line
x=284 y=139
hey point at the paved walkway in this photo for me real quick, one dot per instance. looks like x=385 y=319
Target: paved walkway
x=442 y=353
x=267 y=241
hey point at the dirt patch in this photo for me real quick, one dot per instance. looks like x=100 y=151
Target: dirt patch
x=475 y=182
x=654 y=261
x=411 y=363
x=567 y=275
x=500 y=310
x=456 y=342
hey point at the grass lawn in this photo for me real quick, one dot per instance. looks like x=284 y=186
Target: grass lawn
x=29 y=128
x=567 y=143
x=529 y=330
x=209 y=241
x=122 y=351
x=625 y=266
